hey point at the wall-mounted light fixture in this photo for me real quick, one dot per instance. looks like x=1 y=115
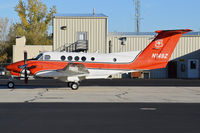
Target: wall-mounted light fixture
x=63 y=28
x=123 y=40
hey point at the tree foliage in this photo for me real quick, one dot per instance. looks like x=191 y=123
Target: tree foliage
x=34 y=22
x=3 y=39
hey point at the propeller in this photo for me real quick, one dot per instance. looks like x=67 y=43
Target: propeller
x=25 y=67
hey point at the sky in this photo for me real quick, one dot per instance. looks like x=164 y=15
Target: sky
x=155 y=14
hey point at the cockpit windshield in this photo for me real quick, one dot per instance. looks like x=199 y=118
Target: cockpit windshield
x=39 y=57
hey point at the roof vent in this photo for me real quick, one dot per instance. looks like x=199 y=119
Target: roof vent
x=93 y=11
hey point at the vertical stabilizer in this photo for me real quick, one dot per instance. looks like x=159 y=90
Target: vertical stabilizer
x=158 y=52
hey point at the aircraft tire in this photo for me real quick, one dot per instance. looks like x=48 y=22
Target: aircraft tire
x=11 y=84
x=69 y=84
x=74 y=86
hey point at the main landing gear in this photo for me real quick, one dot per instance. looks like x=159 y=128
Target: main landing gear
x=73 y=85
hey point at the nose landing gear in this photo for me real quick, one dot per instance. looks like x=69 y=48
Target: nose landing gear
x=10 y=84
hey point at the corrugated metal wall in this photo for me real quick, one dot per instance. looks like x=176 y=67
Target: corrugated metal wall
x=95 y=27
x=186 y=45
x=133 y=43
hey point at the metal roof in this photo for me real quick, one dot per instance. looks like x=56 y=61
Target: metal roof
x=131 y=33
x=80 y=15
x=147 y=33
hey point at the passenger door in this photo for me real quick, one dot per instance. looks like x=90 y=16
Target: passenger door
x=193 y=68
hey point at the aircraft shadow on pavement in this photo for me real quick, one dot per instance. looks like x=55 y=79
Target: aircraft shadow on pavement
x=108 y=82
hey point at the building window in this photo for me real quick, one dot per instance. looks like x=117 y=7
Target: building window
x=47 y=57
x=83 y=58
x=81 y=36
x=76 y=58
x=92 y=59
x=193 y=64
x=69 y=58
x=63 y=58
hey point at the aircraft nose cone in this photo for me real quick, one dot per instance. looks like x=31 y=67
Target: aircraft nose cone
x=9 y=67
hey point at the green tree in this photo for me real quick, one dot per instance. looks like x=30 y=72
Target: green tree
x=3 y=39
x=34 y=22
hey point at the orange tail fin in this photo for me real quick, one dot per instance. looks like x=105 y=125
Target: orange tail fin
x=158 y=52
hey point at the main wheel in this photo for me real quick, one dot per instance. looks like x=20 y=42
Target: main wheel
x=74 y=86
x=11 y=84
x=69 y=84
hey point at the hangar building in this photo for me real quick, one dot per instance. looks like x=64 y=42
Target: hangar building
x=80 y=32
x=89 y=33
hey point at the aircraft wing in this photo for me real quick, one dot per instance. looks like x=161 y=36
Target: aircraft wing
x=73 y=69
x=70 y=70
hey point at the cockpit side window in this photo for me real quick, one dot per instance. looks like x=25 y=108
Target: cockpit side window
x=47 y=57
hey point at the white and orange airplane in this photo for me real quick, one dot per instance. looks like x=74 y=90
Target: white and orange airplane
x=73 y=67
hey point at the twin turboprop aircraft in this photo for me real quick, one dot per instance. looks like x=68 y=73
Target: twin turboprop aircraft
x=74 y=67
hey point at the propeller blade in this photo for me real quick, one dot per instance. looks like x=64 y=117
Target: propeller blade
x=26 y=76
x=25 y=57
x=31 y=67
x=25 y=67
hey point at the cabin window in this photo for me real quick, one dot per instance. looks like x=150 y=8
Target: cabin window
x=47 y=57
x=92 y=59
x=83 y=58
x=69 y=58
x=76 y=58
x=114 y=59
x=63 y=58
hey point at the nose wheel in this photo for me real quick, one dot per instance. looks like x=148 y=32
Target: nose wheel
x=11 y=84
